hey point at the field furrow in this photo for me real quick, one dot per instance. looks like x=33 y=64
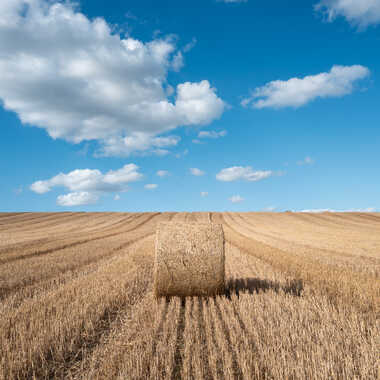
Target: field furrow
x=25 y=227
x=60 y=265
x=10 y=255
x=63 y=226
x=36 y=278
x=39 y=231
x=57 y=333
x=368 y=266
x=299 y=229
x=73 y=232
x=59 y=231
x=27 y=216
x=10 y=214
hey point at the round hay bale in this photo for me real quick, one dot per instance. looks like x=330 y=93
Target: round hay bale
x=189 y=259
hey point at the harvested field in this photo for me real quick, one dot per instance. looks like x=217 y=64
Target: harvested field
x=76 y=299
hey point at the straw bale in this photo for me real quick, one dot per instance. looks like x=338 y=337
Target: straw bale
x=189 y=259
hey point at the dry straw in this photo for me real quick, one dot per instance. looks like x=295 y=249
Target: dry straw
x=189 y=259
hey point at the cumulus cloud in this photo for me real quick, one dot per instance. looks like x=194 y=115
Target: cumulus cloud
x=236 y=199
x=236 y=173
x=86 y=185
x=77 y=199
x=204 y=193
x=197 y=172
x=306 y=161
x=211 y=134
x=116 y=197
x=360 y=13
x=150 y=186
x=296 y=92
x=80 y=81
x=162 y=173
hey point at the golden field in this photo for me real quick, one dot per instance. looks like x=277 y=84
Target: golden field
x=76 y=300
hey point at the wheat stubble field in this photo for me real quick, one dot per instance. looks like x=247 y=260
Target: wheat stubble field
x=76 y=299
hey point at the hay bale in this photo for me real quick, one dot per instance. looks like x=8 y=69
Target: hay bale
x=189 y=259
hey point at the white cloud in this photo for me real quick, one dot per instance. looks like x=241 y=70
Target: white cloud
x=306 y=161
x=77 y=199
x=211 y=134
x=196 y=141
x=197 y=103
x=91 y=180
x=151 y=186
x=242 y=173
x=190 y=45
x=197 y=172
x=204 y=193
x=87 y=185
x=369 y=209
x=162 y=173
x=236 y=199
x=270 y=209
x=116 y=197
x=183 y=154
x=296 y=92
x=178 y=62
x=360 y=13
x=161 y=152
x=139 y=143
x=317 y=210
x=79 y=81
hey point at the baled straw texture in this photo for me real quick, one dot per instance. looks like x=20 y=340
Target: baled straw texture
x=189 y=259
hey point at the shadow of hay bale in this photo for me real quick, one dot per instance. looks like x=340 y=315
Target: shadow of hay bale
x=255 y=285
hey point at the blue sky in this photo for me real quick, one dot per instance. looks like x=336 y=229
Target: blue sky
x=189 y=106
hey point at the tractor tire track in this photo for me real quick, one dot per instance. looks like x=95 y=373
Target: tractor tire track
x=76 y=271
x=19 y=217
x=326 y=252
x=39 y=253
x=64 y=224
x=67 y=234
x=86 y=313
x=9 y=214
x=28 y=218
x=27 y=227
x=101 y=329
